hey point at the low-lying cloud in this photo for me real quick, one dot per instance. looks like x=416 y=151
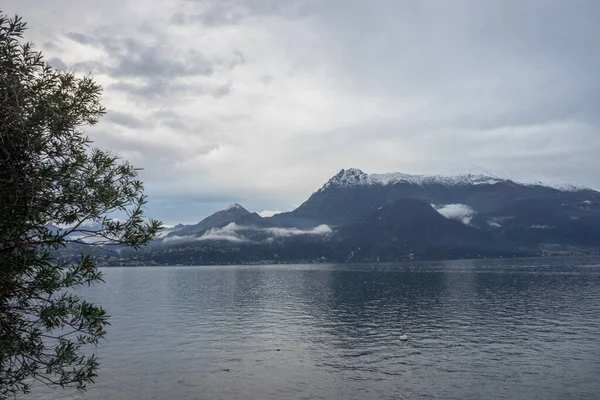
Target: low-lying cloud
x=287 y=232
x=269 y=213
x=240 y=233
x=459 y=212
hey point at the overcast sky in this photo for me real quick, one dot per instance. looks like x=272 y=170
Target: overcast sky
x=261 y=102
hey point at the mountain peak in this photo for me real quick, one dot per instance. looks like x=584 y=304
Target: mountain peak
x=356 y=177
x=219 y=218
x=349 y=177
x=235 y=206
x=233 y=209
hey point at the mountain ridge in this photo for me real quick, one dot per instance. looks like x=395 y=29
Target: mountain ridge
x=363 y=217
x=219 y=218
x=409 y=227
x=356 y=177
x=351 y=193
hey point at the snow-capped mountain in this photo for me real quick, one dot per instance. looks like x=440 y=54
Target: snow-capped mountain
x=357 y=216
x=352 y=193
x=356 y=177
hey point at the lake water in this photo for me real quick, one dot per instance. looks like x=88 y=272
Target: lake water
x=488 y=329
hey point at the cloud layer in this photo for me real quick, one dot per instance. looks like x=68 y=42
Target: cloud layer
x=459 y=212
x=260 y=102
x=240 y=233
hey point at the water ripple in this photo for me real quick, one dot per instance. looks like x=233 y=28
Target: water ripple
x=518 y=329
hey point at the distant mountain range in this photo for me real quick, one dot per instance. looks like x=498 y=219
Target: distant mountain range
x=359 y=217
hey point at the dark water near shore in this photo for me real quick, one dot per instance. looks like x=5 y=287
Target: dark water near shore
x=515 y=329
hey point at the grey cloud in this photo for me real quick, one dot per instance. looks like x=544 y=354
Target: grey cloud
x=170 y=119
x=266 y=79
x=57 y=63
x=159 y=156
x=173 y=123
x=90 y=67
x=178 y=19
x=81 y=38
x=465 y=53
x=218 y=14
x=151 y=89
x=50 y=46
x=152 y=63
x=156 y=65
x=391 y=85
x=291 y=9
x=152 y=71
x=166 y=114
x=161 y=89
x=238 y=59
x=210 y=15
x=79 y=67
x=221 y=91
x=125 y=119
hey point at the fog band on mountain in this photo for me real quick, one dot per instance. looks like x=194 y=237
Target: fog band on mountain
x=235 y=233
x=460 y=212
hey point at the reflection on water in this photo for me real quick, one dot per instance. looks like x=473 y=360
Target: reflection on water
x=524 y=329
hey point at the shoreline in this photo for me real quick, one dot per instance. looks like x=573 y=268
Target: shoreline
x=414 y=261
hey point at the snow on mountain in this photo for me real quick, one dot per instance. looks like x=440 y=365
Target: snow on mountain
x=235 y=206
x=556 y=184
x=356 y=177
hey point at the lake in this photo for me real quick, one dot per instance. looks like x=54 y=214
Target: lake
x=486 y=329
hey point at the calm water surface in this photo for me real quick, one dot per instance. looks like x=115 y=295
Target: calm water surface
x=524 y=329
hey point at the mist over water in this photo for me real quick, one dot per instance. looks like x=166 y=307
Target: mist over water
x=513 y=329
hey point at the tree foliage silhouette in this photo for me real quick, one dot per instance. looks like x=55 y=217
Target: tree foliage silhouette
x=53 y=187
